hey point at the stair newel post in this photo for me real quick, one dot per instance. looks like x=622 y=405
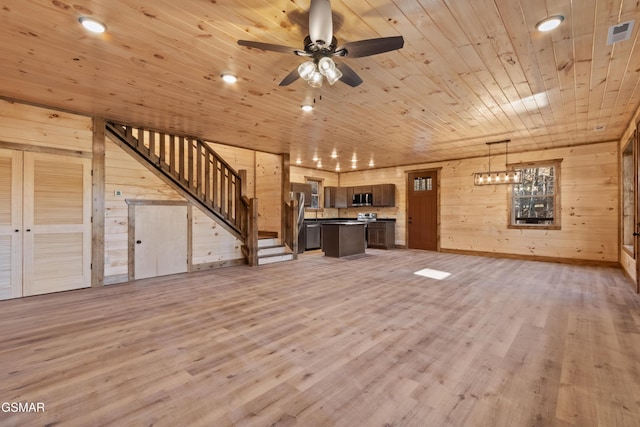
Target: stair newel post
x=252 y=233
x=293 y=232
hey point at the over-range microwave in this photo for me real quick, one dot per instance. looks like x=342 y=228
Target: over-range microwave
x=362 y=199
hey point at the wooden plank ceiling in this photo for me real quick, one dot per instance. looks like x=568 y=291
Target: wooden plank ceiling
x=471 y=71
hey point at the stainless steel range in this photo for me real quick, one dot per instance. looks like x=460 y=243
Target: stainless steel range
x=367 y=217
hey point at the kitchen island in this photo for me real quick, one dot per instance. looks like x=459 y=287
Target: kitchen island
x=343 y=238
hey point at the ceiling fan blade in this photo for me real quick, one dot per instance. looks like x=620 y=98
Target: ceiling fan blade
x=268 y=46
x=370 y=47
x=348 y=75
x=291 y=77
x=320 y=22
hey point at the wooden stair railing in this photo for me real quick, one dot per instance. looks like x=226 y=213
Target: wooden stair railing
x=202 y=175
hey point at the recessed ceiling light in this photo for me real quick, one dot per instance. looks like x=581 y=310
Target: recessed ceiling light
x=298 y=162
x=229 y=78
x=315 y=158
x=338 y=167
x=549 y=23
x=307 y=107
x=319 y=164
x=92 y=25
x=371 y=164
x=334 y=155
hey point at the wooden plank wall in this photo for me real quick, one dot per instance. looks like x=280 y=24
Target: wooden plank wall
x=268 y=191
x=42 y=127
x=627 y=261
x=475 y=218
x=211 y=242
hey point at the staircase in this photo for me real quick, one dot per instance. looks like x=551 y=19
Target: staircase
x=200 y=175
x=270 y=250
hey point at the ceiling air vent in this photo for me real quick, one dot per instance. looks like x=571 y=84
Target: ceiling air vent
x=620 y=32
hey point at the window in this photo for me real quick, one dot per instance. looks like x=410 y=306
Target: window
x=316 y=188
x=422 y=184
x=535 y=203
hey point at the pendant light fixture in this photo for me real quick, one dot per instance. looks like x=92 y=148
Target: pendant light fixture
x=498 y=177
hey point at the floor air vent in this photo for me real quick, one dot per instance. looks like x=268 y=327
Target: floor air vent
x=620 y=32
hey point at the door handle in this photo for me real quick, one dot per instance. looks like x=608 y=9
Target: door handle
x=636 y=234
x=138 y=241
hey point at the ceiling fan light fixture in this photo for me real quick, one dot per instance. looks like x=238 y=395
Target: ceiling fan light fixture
x=333 y=75
x=325 y=65
x=328 y=69
x=315 y=80
x=549 y=23
x=306 y=70
x=92 y=25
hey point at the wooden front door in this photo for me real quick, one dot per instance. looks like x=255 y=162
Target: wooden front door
x=45 y=223
x=160 y=240
x=422 y=210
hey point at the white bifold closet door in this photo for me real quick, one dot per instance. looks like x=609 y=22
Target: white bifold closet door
x=45 y=223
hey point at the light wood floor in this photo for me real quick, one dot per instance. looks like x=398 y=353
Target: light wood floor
x=333 y=342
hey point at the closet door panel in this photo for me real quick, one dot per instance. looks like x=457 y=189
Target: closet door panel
x=10 y=224
x=57 y=221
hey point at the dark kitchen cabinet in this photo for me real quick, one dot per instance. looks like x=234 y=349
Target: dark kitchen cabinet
x=299 y=187
x=349 y=191
x=381 y=234
x=384 y=195
x=362 y=189
x=335 y=197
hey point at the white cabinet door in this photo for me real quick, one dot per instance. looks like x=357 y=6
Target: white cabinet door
x=160 y=242
x=10 y=224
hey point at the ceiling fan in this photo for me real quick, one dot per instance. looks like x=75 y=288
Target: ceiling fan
x=320 y=45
